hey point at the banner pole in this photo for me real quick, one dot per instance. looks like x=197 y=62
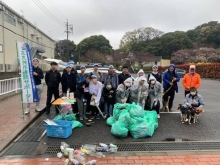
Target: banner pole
x=19 y=75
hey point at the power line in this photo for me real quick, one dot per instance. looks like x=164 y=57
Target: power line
x=48 y=11
x=55 y=7
x=25 y=37
x=48 y=14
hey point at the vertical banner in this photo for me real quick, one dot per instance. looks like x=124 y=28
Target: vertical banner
x=29 y=92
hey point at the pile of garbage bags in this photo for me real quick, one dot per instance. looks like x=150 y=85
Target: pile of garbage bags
x=131 y=117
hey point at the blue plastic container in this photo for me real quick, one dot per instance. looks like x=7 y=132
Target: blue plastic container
x=63 y=130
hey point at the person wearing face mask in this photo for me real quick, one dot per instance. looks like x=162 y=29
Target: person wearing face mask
x=83 y=97
x=123 y=91
x=191 y=79
x=95 y=90
x=109 y=98
x=38 y=76
x=111 y=76
x=154 y=91
x=139 y=74
x=155 y=73
x=193 y=101
x=138 y=92
x=170 y=79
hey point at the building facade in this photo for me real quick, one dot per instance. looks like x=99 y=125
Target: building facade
x=14 y=27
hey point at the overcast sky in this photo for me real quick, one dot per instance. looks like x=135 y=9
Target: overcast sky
x=112 y=18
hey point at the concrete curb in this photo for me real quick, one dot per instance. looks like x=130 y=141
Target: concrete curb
x=19 y=130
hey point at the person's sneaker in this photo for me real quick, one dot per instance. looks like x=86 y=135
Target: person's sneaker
x=170 y=110
x=27 y=111
x=80 y=118
x=38 y=108
x=158 y=116
x=84 y=117
x=98 y=117
x=92 y=117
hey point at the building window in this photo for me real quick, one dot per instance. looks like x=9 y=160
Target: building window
x=9 y=19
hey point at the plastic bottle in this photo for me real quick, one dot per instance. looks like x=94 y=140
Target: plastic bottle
x=66 y=162
x=112 y=145
x=68 y=94
x=75 y=162
x=97 y=154
x=91 y=162
x=81 y=159
x=71 y=153
x=113 y=150
x=103 y=145
x=101 y=149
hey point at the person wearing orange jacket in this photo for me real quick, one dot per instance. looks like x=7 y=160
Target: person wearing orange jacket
x=191 y=79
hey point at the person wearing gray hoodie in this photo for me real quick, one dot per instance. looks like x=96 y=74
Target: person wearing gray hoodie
x=154 y=91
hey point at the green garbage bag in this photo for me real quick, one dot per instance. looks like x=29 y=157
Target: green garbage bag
x=111 y=120
x=151 y=116
x=76 y=124
x=143 y=129
x=69 y=117
x=118 y=108
x=119 y=130
x=125 y=118
x=136 y=110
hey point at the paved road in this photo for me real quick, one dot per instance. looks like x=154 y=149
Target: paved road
x=207 y=128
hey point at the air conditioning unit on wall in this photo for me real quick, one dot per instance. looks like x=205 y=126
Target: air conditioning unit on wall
x=21 y=21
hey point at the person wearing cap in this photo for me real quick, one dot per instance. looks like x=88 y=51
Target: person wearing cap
x=95 y=90
x=124 y=75
x=170 y=79
x=111 y=76
x=191 y=79
x=155 y=73
x=68 y=80
x=154 y=91
x=140 y=74
x=138 y=92
x=73 y=69
x=98 y=74
x=38 y=76
x=81 y=76
x=52 y=79
x=83 y=97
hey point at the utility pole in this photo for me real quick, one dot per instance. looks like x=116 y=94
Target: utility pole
x=69 y=29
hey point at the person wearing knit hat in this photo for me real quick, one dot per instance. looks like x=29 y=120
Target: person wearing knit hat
x=191 y=79
x=154 y=91
x=139 y=74
x=38 y=76
x=138 y=92
x=170 y=79
x=155 y=74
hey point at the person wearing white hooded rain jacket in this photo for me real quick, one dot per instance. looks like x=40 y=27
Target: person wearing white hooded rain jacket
x=154 y=91
x=123 y=90
x=138 y=92
x=139 y=74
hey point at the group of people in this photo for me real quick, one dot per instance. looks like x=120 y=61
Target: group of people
x=113 y=88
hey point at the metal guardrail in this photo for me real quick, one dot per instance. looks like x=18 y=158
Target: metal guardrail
x=9 y=85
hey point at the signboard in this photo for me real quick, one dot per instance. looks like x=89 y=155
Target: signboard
x=29 y=92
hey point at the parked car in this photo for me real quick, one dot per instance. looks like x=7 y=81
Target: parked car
x=180 y=72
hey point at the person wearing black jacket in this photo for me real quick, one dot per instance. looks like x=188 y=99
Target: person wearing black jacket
x=38 y=75
x=83 y=97
x=155 y=73
x=68 y=80
x=52 y=79
x=109 y=98
x=124 y=75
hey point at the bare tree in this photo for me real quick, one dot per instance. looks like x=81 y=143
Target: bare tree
x=143 y=58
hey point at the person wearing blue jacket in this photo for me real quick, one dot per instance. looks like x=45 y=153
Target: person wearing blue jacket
x=170 y=79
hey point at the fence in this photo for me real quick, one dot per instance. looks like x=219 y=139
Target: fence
x=9 y=85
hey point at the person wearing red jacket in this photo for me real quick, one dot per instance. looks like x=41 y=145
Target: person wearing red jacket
x=191 y=79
